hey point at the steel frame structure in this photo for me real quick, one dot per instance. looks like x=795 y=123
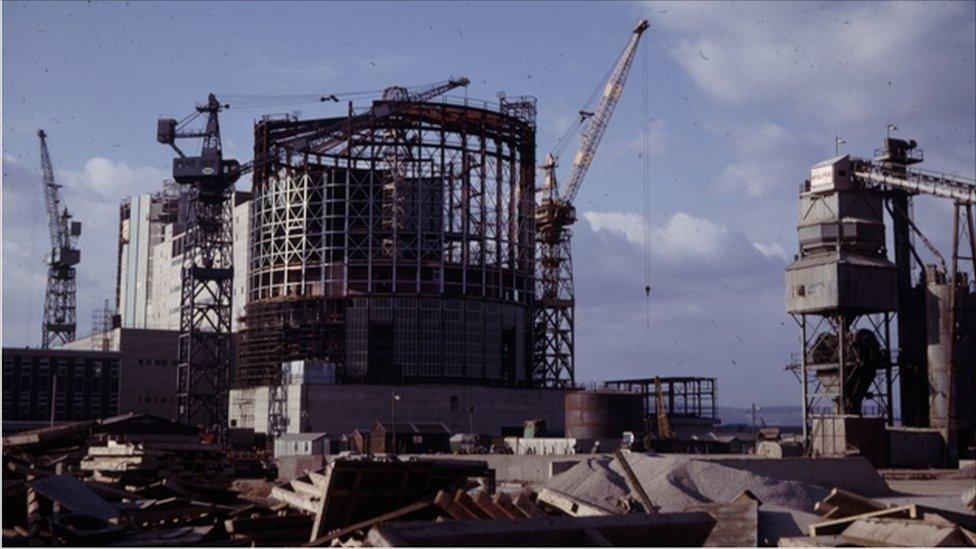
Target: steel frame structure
x=961 y=427
x=829 y=385
x=555 y=311
x=686 y=397
x=203 y=369
x=836 y=386
x=420 y=224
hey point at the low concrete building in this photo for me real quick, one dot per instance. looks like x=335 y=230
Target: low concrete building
x=336 y=408
x=84 y=385
x=147 y=367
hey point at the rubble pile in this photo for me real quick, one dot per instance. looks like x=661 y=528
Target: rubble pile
x=144 y=481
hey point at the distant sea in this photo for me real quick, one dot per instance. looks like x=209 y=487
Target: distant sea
x=774 y=416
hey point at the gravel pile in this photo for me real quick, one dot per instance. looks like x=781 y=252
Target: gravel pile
x=674 y=483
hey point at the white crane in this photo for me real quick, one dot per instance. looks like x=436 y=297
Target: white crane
x=555 y=301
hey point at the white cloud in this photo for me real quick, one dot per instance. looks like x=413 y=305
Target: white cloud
x=771 y=250
x=92 y=196
x=109 y=179
x=839 y=61
x=682 y=237
x=630 y=225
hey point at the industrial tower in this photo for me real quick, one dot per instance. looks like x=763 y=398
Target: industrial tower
x=845 y=294
x=203 y=371
x=59 y=298
x=555 y=302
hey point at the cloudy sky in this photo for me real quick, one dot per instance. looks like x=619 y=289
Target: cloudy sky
x=743 y=99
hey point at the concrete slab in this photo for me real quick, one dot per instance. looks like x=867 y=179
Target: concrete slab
x=638 y=529
x=876 y=532
x=814 y=541
x=74 y=495
x=736 y=524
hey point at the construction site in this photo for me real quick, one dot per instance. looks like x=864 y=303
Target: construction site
x=365 y=335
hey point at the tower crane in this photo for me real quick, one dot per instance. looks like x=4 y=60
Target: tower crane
x=59 y=298
x=203 y=370
x=555 y=302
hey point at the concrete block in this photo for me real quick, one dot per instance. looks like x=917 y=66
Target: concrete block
x=915 y=448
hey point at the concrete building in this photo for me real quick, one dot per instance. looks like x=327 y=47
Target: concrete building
x=399 y=263
x=85 y=385
x=149 y=271
x=337 y=408
x=146 y=368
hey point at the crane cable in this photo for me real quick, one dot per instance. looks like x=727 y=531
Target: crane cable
x=256 y=101
x=646 y=154
x=584 y=113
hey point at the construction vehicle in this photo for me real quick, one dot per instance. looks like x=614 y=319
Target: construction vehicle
x=59 y=297
x=555 y=215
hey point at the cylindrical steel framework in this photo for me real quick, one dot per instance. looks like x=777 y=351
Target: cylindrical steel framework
x=414 y=239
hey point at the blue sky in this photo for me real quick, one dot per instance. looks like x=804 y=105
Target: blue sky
x=744 y=98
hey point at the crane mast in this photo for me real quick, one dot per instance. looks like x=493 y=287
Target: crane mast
x=203 y=368
x=59 y=299
x=554 y=321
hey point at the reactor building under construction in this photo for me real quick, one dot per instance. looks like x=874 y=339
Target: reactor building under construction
x=402 y=254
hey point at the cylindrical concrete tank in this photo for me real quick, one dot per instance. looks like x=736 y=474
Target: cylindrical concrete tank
x=602 y=414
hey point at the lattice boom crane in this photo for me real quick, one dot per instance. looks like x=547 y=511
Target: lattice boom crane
x=555 y=303
x=59 y=298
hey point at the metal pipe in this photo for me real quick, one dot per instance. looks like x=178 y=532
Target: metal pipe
x=803 y=372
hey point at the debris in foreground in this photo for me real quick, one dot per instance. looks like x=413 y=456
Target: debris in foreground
x=139 y=481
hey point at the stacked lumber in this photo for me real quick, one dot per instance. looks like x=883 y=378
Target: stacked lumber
x=141 y=463
x=853 y=520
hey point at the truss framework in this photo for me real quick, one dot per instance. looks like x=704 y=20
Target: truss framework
x=840 y=374
x=203 y=370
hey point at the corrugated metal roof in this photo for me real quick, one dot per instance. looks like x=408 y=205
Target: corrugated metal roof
x=301 y=437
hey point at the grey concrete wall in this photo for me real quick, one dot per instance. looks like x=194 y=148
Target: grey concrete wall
x=339 y=409
x=916 y=447
x=147 y=368
x=147 y=382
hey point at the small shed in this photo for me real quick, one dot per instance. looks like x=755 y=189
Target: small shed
x=431 y=438
x=359 y=441
x=410 y=438
x=302 y=444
